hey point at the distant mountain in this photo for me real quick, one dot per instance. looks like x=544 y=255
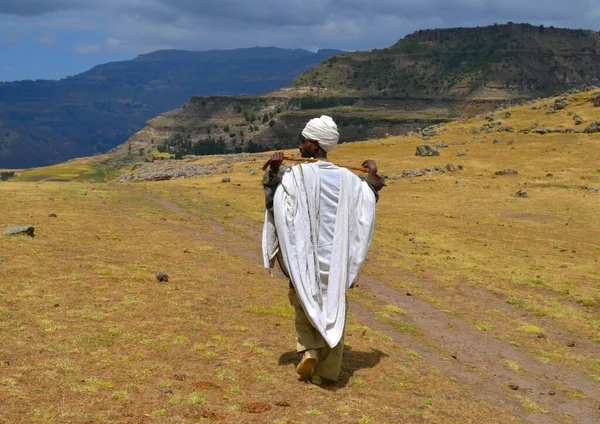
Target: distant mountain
x=493 y=62
x=45 y=122
x=427 y=77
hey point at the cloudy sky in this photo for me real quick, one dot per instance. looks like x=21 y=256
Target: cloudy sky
x=56 y=38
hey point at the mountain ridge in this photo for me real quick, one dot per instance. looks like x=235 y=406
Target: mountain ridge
x=44 y=122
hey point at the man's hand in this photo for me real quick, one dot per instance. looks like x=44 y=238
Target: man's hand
x=371 y=166
x=276 y=160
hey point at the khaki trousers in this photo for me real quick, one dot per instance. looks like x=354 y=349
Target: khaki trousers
x=329 y=361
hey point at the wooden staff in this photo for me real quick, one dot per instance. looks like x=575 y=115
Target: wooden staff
x=267 y=163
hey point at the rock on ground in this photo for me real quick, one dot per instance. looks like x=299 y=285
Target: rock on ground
x=27 y=230
x=426 y=150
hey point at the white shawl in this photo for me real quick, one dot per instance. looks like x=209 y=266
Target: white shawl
x=296 y=229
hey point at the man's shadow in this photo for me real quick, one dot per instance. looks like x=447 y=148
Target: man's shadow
x=352 y=361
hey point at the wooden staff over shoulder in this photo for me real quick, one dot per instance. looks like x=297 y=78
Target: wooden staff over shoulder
x=361 y=169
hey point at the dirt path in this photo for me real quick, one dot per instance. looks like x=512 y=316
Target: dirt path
x=450 y=344
x=478 y=360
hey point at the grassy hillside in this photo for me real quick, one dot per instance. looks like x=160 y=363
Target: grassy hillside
x=494 y=62
x=475 y=306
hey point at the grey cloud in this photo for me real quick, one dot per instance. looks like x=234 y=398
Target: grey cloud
x=142 y=25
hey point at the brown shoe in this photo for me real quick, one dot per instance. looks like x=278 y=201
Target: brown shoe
x=309 y=359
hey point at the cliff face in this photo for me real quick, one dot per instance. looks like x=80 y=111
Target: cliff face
x=236 y=124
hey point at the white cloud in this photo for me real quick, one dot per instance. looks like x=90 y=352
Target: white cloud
x=49 y=41
x=112 y=42
x=86 y=48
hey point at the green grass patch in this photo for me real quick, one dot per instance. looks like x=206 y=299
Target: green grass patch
x=531 y=329
x=282 y=310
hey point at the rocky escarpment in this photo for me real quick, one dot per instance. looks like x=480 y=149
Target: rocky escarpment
x=219 y=124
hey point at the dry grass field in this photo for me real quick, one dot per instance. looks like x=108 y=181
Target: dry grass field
x=475 y=306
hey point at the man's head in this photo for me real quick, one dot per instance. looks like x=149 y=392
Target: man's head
x=319 y=136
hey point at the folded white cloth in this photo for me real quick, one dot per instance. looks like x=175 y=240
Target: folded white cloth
x=324 y=130
x=322 y=222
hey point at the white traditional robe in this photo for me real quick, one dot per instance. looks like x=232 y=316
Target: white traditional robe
x=322 y=222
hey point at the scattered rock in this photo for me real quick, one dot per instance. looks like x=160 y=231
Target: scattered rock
x=507 y=115
x=461 y=154
x=592 y=190
x=440 y=145
x=429 y=132
x=513 y=386
x=505 y=129
x=593 y=127
x=426 y=171
x=507 y=172
x=549 y=174
x=578 y=120
x=495 y=123
x=227 y=170
x=536 y=107
x=426 y=150
x=597 y=100
x=551 y=392
x=166 y=390
x=571 y=344
x=252 y=172
x=521 y=193
x=163 y=277
x=560 y=104
x=496 y=141
x=27 y=230
x=225 y=180
x=52 y=215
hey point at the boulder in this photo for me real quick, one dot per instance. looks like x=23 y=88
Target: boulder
x=163 y=277
x=597 y=100
x=560 y=104
x=507 y=172
x=426 y=150
x=594 y=127
x=26 y=230
x=521 y=193
x=577 y=119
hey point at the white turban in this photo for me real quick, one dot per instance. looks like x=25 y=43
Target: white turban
x=323 y=130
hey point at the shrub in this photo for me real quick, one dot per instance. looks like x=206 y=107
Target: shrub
x=5 y=176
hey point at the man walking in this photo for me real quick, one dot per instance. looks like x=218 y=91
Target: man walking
x=318 y=225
